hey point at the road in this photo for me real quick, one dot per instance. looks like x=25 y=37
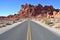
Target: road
x=29 y=30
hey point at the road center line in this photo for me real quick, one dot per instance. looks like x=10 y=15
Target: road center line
x=28 y=32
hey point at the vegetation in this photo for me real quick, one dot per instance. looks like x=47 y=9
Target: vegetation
x=8 y=24
x=48 y=22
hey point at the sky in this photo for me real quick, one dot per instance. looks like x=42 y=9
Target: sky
x=10 y=7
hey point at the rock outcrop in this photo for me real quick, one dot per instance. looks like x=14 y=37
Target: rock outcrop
x=31 y=11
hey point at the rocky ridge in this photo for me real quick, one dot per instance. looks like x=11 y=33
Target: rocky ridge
x=32 y=11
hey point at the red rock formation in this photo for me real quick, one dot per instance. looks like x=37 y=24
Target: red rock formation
x=29 y=10
x=33 y=11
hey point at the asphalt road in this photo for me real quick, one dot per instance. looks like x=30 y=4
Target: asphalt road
x=29 y=31
x=17 y=33
x=41 y=33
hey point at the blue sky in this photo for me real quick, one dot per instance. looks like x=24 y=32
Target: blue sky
x=8 y=7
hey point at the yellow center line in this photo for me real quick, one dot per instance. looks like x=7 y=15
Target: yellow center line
x=28 y=32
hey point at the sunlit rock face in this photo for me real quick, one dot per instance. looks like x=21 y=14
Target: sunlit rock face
x=29 y=10
x=56 y=14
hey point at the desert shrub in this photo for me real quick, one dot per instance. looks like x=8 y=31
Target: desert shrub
x=8 y=24
x=2 y=25
x=47 y=21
